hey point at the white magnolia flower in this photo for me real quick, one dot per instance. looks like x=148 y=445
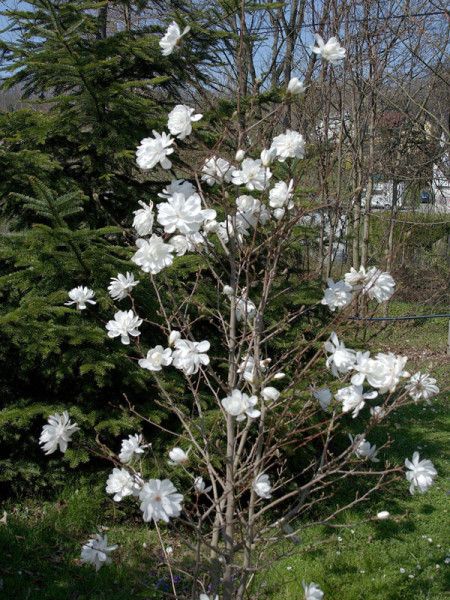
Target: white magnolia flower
x=248 y=368
x=312 y=591
x=216 y=170
x=227 y=290
x=159 y=500
x=178 y=457
x=210 y=226
x=280 y=196
x=200 y=486
x=379 y=286
x=295 y=87
x=268 y=156
x=341 y=359
x=387 y=369
x=226 y=229
x=157 y=358
x=384 y=514
x=240 y=155
x=80 y=296
x=189 y=356
x=244 y=220
x=125 y=323
x=323 y=396
x=155 y=150
x=182 y=214
x=331 y=51
x=122 y=484
x=174 y=336
x=239 y=405
x=279 y=213
x=421 y=387
x=356 y=279
x=144 y=219
x=270 y=394
x=363 y=448
x=262 y=487
x=245 y=309
x=96 y=552
x=289 y=145
x=242 y=225
x=421 y=473
x=172 y=38
x=178 y=186
x=153 y=255
x=206 y=597
x=364 y=365
x=181 y=119
x=130 y=447
x=337 y=295
x=197 y=241
x=239 y=228
x=251 y=211
x=377 y=412
x=353 y=398
x=181 y=245
x=57 y=432
x=252 y=174
x=121 y=286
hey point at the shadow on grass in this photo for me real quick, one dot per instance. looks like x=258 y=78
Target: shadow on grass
x=40 y=549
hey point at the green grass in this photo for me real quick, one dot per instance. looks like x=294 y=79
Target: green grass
x=41 y=541
x=41 y=544
x=424 y=341
x=384 y=560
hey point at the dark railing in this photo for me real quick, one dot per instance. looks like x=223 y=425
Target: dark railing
x=407 y=318
x=397 y=318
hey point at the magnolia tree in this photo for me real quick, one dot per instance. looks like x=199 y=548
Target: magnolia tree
x=260 y=450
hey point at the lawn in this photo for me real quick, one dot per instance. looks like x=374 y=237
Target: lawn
x=404 y=558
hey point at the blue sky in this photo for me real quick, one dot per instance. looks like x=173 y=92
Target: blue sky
x=7 y=5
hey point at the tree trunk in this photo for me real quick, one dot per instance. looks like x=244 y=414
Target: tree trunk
x=102 y=22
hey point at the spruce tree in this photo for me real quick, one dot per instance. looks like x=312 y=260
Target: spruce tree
x=67 y=200
x=100 y=94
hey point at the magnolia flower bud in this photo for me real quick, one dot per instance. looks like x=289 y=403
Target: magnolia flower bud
x=227 y=290
x=279 y=376
x=279 y=213
x=295 y=87
x=173 y=337
x=240 y=154
x=178 y=457
x=268 y=156
x=383 y=515
x=270 y=393
x=200 y=486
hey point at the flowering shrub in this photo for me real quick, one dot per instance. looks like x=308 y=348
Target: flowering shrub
x=236 y=490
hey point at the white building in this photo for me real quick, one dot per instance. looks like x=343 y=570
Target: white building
x=441 y=186
x=439 y=201
x=382 y=194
